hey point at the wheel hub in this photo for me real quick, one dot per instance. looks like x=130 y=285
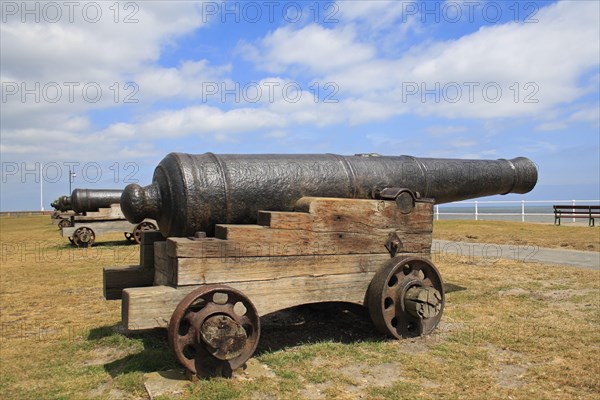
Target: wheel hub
x=406 y=297
x=224 y=337
x=423 y=302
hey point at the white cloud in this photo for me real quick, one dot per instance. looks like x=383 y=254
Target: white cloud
x=553 y=54
x=313 y=47
x=58 y=60
x=505 y=70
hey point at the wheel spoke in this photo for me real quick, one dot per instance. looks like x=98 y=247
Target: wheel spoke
x=212 y=321
x=186 y=340
x=390 y=308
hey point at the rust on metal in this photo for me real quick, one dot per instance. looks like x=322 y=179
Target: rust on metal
x=191 y=193
x=214 y=330
x=83 y=237
x=225 y=338
x=393 y=244
x=391 y=297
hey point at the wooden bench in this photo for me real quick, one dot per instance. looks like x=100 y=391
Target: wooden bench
x=571 y=211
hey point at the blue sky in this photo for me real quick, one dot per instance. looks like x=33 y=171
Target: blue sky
x=112 y=89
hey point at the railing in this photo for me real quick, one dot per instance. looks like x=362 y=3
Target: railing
x=23 y=213
x=517 y=204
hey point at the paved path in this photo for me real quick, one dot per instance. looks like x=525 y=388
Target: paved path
x=525 y=254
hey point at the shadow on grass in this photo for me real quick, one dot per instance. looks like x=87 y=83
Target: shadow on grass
x=110 y=243
x=123 y=242
x=450 y=287
x=156 y=355
x=315 y=323
x=306 y=324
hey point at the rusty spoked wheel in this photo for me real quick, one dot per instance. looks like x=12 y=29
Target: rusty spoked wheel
x=214 y=330
x=83 y=237
x=141 y=227
x=406 y=297
x=65 y=223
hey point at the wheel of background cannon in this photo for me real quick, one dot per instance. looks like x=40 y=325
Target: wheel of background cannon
x=72 y=241
x=142 y=226
x=214 y=330
x=65 y=223
x=406 y=297
x=129 y=237
x=83 y=237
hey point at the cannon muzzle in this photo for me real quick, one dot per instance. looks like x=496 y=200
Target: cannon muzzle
x=191 y=193
x=63 y=203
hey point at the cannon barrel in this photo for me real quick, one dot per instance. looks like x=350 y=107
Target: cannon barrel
x=191 y=193
x=84 y=200
x=63 y=203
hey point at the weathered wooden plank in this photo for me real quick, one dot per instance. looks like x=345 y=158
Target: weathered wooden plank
x=256 y=241
x=151 y=307
x=196 y=271
x=351 y=215
x=147 y=247
x=208 y=247
x=147 y=256
x=109 y=213
x=285 y=220
x=149 y=237
x=118 y=278
x=99 y=227
x=164 y=270
x=298 y=242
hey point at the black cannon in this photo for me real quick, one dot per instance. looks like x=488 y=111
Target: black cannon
x=84 y=200
x=192 y=193
x=63 y=203
x=247 y=235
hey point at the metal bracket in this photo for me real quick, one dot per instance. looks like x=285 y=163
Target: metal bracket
x=393 y=244
x=198 y=236
x=404 y=198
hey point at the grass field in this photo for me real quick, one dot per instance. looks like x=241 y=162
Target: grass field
x=519 y=233
x=510 y=329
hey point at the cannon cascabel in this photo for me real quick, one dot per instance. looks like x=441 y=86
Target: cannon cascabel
x=191 y=193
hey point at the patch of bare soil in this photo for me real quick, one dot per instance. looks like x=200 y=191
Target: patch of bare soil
x=253 y=369
x=362 y=376
x=106 y=391
x=510 y=367
x=104 y=355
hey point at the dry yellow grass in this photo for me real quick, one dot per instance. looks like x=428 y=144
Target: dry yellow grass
x=519 y=233
x=510 y=330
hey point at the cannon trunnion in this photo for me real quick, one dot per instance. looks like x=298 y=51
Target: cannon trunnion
x=246 y=236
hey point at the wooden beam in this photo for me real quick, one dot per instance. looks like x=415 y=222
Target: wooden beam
x=151 y=307
x=197 y=271
x=255 y=240
x=147 y=247
x=115 y=279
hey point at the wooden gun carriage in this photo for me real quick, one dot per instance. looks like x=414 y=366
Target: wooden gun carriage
x=243 y=236
x=87 y=213
x=210 y=292
x=82 y=228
